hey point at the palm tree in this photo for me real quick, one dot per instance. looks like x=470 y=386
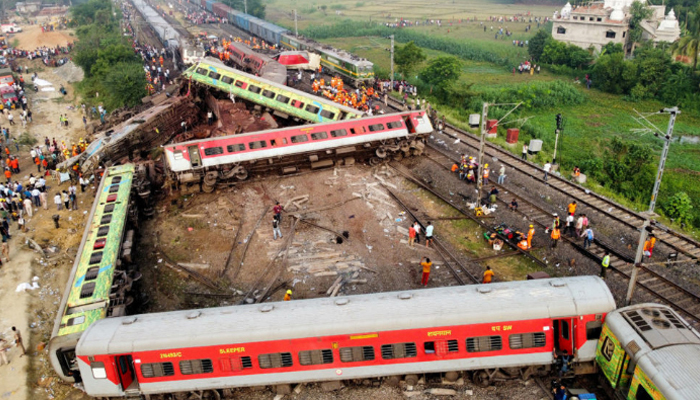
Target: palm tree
x=689 y=44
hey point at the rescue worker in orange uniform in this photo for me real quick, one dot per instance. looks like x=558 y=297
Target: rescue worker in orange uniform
x=288 y=295
x=530 y=235
x=488 y=275
x=555 y=236
x=572 y=208
x=649 y=246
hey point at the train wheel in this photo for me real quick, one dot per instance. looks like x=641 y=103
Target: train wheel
x=398 y=156
x=411 y=380
x=405 y=146
x=380 y=152
x=375 y=161
x=242 y=174
x=481 y=378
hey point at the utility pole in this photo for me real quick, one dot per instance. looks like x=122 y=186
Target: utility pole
x=557 y=131
x=296 y=28
x=392 y=63
x=652 y=204
x=482 y=144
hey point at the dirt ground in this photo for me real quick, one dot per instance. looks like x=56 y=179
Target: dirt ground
x=31 y=37
x=33 y=312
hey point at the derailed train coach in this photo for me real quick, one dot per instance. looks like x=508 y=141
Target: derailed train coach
x=287 y=150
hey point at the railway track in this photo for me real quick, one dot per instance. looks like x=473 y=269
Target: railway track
x=621 y=263
x=679 y=242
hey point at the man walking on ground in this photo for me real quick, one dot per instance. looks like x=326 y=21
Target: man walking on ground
x=18 y=340
x=428 y=234
x=488 y=275
x=524 y=157
x=276 y=228
x=277 y=210
x=587 y=237
x=425 y=264
x=417 y=228
x=411 y=236
x=604 y=264
x=502 y=174
x=547 y=167
x=570 y=226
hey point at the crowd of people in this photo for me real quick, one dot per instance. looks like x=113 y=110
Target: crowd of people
x=50 y=56
x=400 y=22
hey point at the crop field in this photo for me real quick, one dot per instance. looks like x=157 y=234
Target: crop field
x=312 y=12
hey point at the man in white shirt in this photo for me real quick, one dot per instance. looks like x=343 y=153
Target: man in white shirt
x=547 y=168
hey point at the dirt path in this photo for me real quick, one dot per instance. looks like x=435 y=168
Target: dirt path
x=14 y=313
x=31 y=37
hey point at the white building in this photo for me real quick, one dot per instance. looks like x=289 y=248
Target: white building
x=601 y=22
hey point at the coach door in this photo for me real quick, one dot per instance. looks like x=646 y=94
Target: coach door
x=195 y=159
x=127 y=376
x=409 y=124
x=564 y=335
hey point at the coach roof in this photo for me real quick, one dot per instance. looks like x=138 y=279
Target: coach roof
x=446 y=306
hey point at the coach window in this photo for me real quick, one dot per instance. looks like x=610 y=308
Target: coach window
x=319 y=135
x=192 y=367
x=275 y=360
x=441 y=347
x=214 y=75
x=233 y=148
x=316 y=357
x=212 y=151
x=355 y=354
x=593 y=330
x=202 y=71
x=235 y=363
x=254 y=89
x=527 y=340
x=241 y=84
x=282 y=99
x=269 y=94
x=177 y=154
x=429 y=347
x=642 y=394
x=227 y=80
x=257 y=144
x=339 y=133
x=327 y=114
x=300 y=139
x=98 y=370
x=361 y=129
x=87 y=290
x=399 y=350
x=312 y=109
x=156 y=370
x=394 y=125
x=298 y=104
x=484 y=343
x=376 y=127
x=95 y=258
x=92 y=273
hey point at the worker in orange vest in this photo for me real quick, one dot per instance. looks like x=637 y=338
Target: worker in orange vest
x=8 y=174
x=486 y=174
x=530 y=235
x=649 y=246
x=555 y=236
x=572 y=207
x=288 y=295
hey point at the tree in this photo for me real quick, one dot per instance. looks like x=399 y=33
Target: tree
x=407 y=58
x=555 y=52
x=614 y=73
x=689 y=44
x=626 y=169
x=653 y=68
x=678 y=208
x=612 y=48
x=441 y=71
x=125 y=85
x=578 y=57
x=639 y=12
x=255 y=7
x=536 y=45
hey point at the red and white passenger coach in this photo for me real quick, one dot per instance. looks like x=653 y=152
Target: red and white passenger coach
x=509 y=326
x=373 y=137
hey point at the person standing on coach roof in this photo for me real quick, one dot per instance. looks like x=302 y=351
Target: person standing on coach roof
x=426 y=264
